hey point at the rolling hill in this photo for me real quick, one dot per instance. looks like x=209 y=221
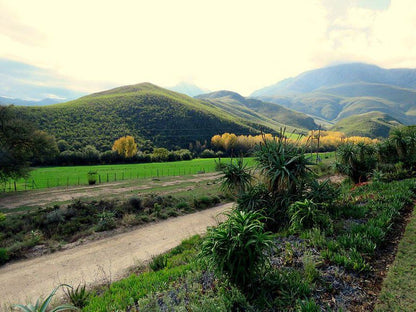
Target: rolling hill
x=337 y=92
x=145 y=111
x=373 y=125
x=272 y=114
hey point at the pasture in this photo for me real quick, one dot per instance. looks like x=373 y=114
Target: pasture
x=47 y=177
x=65 y=176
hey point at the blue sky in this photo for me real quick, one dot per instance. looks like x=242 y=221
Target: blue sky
x=66 y=48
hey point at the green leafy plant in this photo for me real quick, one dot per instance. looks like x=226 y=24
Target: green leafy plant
x=321 y=192
x=92 y=177
x=43 y=306
x=106 y=221
x=236 y=176
x=283 y=164
x=4 y=255
x=236 y=248
x=306 y=215
x=159 y=262
x=356 y=160
x=78 y=296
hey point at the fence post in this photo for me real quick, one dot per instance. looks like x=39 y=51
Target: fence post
x=15 y=187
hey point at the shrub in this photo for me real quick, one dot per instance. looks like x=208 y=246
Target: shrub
x=356 y=160
x=79 y=296
x=322 y=192
x=135 y=204
x=255 y=198
x=236 y=248
x=182 y=206
x=106 y=221
x=283 y=164
x=306 y=215
x=236 y=177
x=158 y=262
x=4 y=255
x=92 y=177
x=43 y=306
x=207 y=153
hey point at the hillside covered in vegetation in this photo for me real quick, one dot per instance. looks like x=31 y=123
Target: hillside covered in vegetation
x=144 y=111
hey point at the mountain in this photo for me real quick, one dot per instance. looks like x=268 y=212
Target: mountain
x=373 y=125
x=340 y=74
x=275 y=116
x=337 y=92
x=47 y=101
x=188 y=89
x=144 y=111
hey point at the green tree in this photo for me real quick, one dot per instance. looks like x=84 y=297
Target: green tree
x=21 y=143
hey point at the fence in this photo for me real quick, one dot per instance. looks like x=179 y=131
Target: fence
x=49 y=181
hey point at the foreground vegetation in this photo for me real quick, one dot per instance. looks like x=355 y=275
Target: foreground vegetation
x=308 y=269
x=399 y=287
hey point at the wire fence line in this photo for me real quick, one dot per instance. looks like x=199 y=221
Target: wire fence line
x=49 y=181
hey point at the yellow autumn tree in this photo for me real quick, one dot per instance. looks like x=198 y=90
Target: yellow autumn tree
x=125 y=146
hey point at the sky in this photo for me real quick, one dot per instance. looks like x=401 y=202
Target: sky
x=49 y=46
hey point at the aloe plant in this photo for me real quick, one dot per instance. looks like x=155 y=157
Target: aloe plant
x=43 y=306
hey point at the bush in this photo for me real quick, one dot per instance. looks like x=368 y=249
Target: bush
x=135 y=204
x=236 y=177
x=159 y=263
x=307 y=215
x=322 y=192
x=78 y=296
x=207 y=153
x=236 y=248
x=106 y=221
x=4 y=255
x=356 y=161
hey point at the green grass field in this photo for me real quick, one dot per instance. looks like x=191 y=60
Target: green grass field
x=47 y=177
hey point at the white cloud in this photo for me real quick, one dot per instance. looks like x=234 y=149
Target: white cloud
x=239 y=45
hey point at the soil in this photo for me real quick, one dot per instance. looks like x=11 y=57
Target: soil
x=47 y=196
x=101 y=261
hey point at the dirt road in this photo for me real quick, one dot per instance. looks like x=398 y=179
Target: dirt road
x=106 y=190
x=99 y=261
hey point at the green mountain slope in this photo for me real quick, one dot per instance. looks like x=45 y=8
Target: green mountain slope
x=145 y=111
x=373 y=125
x=273 y=115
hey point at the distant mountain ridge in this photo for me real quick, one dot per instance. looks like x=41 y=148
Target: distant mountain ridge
x=337 y=92
x=188 y=89
x=340 y=74
x=47 y=101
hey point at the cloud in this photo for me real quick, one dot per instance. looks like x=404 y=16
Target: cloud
x=237 y=45
x=11 y=27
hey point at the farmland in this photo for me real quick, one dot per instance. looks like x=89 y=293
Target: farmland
x=46 y=177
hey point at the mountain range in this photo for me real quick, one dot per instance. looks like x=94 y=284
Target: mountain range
x=358 y=99
x=334 y=93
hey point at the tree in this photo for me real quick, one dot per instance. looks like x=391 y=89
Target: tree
x=21 y=143
x=125 y=146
